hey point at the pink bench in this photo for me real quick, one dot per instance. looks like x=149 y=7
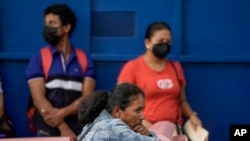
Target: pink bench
x=39 y=139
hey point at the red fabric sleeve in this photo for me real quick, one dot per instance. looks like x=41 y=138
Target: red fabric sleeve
x=127 y=73
x=180 y=72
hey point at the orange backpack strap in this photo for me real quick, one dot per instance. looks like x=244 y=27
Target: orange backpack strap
x=81 y=57
x=47 y=60
x=46 y=56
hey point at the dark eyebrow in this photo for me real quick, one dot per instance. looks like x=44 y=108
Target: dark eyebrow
x=141 y=107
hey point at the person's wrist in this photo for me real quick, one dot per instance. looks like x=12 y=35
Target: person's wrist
x=1 y=113
x=192 y=114
x=65 y=111
x=62 y=126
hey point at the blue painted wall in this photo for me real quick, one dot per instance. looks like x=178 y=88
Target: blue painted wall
x=210 y=39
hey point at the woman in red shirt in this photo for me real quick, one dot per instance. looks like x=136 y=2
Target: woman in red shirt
x=162 y=80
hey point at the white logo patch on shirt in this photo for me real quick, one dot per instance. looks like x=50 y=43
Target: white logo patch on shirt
x=165 y=83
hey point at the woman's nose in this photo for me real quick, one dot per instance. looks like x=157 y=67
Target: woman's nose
x=142 y=116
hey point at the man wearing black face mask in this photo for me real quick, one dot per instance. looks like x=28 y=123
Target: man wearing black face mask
x=51 y=36
x=57 y=92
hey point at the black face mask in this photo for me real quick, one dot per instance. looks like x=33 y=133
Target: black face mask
x=161 y=50
x=50 y=35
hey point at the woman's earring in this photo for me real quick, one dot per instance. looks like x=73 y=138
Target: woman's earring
x=147 y=46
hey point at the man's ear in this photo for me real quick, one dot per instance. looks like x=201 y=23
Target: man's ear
x=116 y=112
x=67 y=28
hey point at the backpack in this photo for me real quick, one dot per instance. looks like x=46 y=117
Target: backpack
x=46 y=56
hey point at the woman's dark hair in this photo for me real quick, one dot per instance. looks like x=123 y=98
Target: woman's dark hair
x=90 y=107
x=156 y=26
x=66 y=15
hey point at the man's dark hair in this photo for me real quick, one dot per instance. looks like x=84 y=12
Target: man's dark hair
x=66 y=15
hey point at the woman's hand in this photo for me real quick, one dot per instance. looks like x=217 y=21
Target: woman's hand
x=141 y=129
x=195 y=121
x=146 y=123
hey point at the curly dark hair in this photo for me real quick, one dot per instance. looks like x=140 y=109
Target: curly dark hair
x=90 y=107
x=66 y=15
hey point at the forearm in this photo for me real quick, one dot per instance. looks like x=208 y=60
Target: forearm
x=38 y=93
x=1 y=112
x=42 y=105
x=186 y=109
x=66 y=131
x=1 y=105
x=72 y=108
x=63 y=126
x=191 y=115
